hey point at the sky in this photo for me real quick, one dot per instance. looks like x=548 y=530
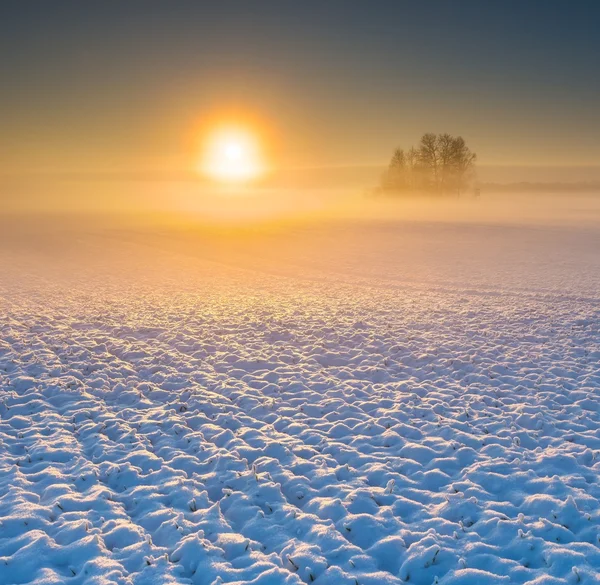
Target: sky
x=132 y=86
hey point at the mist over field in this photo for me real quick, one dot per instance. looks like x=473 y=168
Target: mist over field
x=506 y=195
x=534 y=241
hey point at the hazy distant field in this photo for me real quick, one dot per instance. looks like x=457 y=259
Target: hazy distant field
x=398 y=398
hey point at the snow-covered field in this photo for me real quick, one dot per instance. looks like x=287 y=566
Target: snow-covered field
x=358 y=403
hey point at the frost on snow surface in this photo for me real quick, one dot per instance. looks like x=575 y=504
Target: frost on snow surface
x=413 y=405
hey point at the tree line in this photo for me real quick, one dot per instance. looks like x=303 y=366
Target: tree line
x=440 y=163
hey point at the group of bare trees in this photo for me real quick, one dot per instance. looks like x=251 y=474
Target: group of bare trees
x=441 y=163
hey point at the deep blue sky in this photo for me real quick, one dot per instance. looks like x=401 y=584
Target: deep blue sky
x=121 y=84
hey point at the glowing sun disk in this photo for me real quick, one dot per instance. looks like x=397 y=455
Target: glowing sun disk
x=232 y=155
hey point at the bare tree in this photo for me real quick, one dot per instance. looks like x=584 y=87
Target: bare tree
x=463 y=162
x=445 y=147
x=441 y=163
x=395 y=175
x=414 y=170
x=429 y=157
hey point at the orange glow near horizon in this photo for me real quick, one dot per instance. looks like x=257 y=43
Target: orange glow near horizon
x=232 y=154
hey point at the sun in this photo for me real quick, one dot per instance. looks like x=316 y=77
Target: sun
x=232 y=154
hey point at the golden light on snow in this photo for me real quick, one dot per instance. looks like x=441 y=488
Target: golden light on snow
x=232 y=154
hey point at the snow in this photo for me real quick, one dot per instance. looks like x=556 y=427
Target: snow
x=369 y=403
